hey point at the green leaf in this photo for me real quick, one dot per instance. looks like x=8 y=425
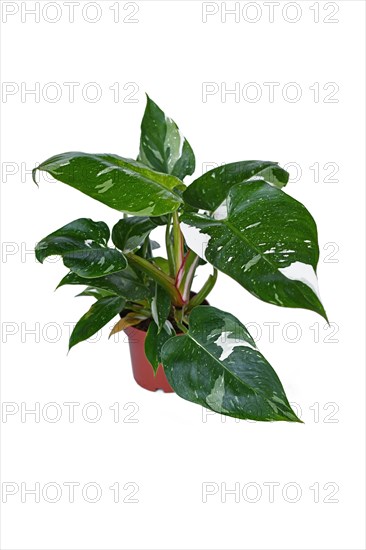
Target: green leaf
x=160 y=306
x=128 y=234
x=95 y=262
x=98 y=315
x=79 y=234
x=82 y=245
x=210 y=190
x=217 y=365
x=160 y=220
x=154 y=342
x=162 y=146
x=95 y=293
x=122 y=184
x=124 y=283
x=267 y=242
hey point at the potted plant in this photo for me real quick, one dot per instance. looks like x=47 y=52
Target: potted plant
x=243 y=224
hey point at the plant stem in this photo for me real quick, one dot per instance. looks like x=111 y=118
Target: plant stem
x=204 y=292
x=178 y=317
x=182 y=327
x=184 y=278
x=146 y=247
x=178 y=241
x=169 y=247
x=157 y=275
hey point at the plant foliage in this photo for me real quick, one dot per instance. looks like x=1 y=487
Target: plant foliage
x=251 y=229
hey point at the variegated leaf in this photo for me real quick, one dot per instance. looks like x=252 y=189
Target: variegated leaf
x=95 y=293
x=82 y=246
x=76 y=235
x=217 y=365
x=162 y=146
x=98 y=315
x=266 y=240
x=160 y=306
x=129 y=233
x=155 y=340
x=211 y=189
x=124 y=283
x=123 y=184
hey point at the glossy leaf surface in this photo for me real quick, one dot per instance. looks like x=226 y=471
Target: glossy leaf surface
x=79 y=234
x=98 y=315
x=82 y=246
x=154 y=342
x=217 y=365
x=124 y=283
x=129 y=233
x=162 y=146
x=160 y=306
x=211 y=189
x=95 y=293
x=267 y=242
x=95 y=262
x=122 y=184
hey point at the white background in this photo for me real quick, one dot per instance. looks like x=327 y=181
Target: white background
x=174 y=448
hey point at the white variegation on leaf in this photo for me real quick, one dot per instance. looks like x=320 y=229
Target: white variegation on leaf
x=235 y=216
x=210 y=190
x=123 y=184
x=305 y=273
x=82 y=244
x=195 y=239
x=162 y=145
x=267 y=242
x=123 y=283
x=216 y=364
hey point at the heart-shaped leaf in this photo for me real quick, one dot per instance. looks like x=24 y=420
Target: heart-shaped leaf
x=267 y=242
x=162 y=146
x=211 y=189
x=217 y=365
x=98 y=315
x=123 y=184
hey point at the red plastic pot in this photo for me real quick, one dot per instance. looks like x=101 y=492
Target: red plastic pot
x=142 y=370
